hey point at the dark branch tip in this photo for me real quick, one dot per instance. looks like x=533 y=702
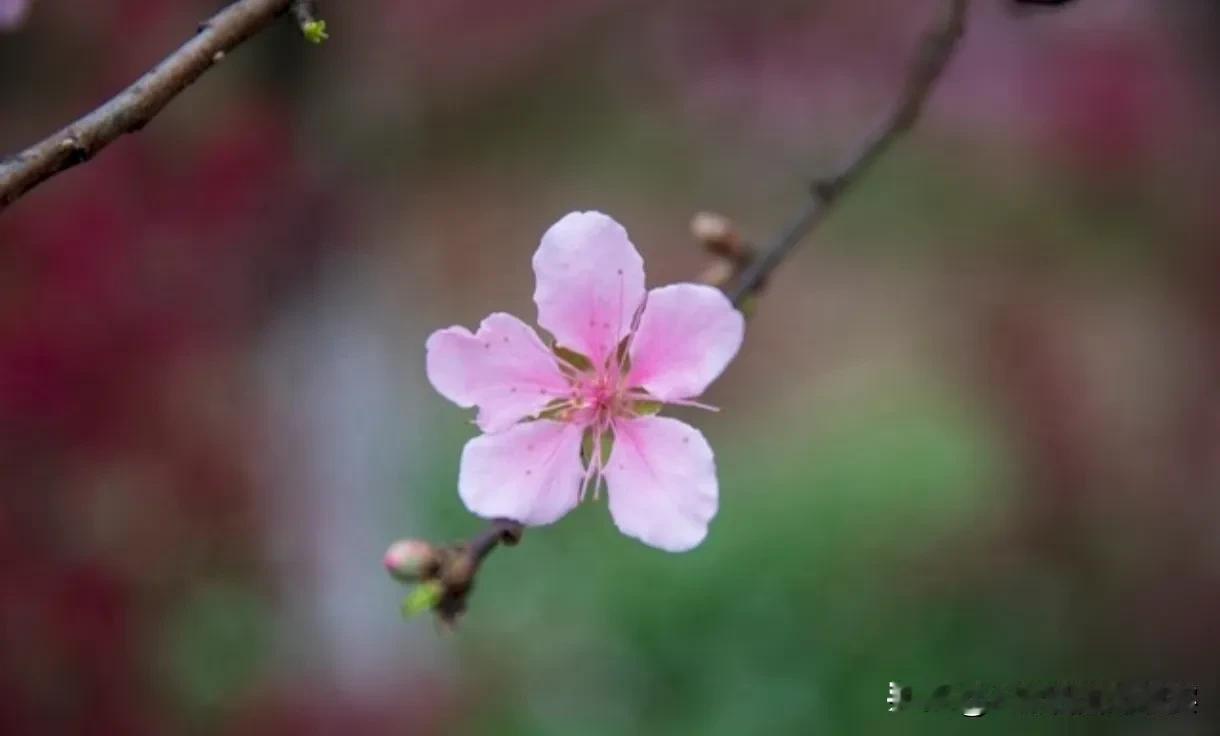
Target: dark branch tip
x=825 y=190
x=511 y=535
x=717 y=234
x=76 y=151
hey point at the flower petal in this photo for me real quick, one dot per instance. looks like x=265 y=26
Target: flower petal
x=530 y=473
x=688 y=333
x=590 y=282
x=12 y=13
x=504 y=369
x=661 y=479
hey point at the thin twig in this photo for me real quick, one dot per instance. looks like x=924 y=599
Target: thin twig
x=934 y=54
x=500 y=531
x=458 y=569
x=741 y=274
x=135 y=106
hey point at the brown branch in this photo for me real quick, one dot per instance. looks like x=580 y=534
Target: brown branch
x=135 y=106
x=738 y=271
x=934 y=54
x=457 y=576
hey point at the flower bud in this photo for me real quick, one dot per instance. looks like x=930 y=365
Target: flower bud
x=314 y=31
x=718 y=273
x=408 y=560
x=717 y=234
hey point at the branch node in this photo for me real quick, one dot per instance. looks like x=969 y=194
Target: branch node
x=826 y=190
x=511 y=534
x=458 y=572
x=717 y=234
x=720 y=238
x=77 y=152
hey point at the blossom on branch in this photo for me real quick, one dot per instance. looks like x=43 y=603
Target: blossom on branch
x=559 y=420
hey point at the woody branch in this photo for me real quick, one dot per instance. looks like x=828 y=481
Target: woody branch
x=134 y=107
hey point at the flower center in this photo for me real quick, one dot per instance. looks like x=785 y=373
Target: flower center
x=602 y=394
x=597 y=396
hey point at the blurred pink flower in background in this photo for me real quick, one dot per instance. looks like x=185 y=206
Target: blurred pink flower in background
x=12 y=13
x=1104 y=85
x=620 y=352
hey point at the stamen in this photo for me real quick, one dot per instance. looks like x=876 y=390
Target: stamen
x=597 y=448
x=556 y=409
x=591 y=468
x=584 y=482
x=618 y=327
x=625 y=355
x=692 y=402
x=638 y=394
x=594 y=471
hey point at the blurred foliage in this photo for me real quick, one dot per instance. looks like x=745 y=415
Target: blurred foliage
x=800 y=605
x=214 y=644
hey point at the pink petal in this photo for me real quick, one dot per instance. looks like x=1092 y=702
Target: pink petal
x=530 y=473
x=687 y=335
x=590 y=282
x=504 y=369
x=12 y=13
x=661 y=479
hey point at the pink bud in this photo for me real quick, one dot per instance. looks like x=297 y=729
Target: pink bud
x=411 y=559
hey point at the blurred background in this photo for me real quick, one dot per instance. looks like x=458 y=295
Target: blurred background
x=974 y=433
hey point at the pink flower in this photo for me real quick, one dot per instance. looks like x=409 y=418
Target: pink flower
x=12 y=13
x=558 y=420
